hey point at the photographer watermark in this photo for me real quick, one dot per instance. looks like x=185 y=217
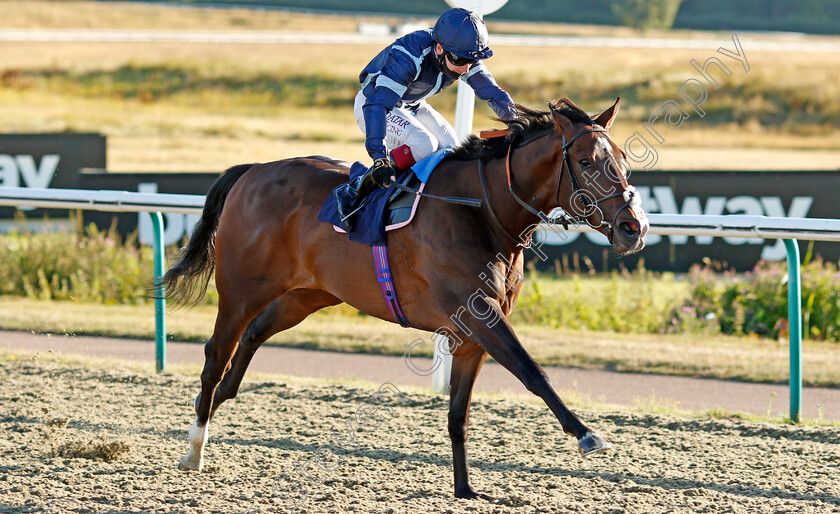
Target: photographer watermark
x=694 y=93
x=294 y=486
x=500 y=273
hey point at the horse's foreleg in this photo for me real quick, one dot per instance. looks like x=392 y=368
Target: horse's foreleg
x=496 y=336
x=466 y=364
x=282 y=314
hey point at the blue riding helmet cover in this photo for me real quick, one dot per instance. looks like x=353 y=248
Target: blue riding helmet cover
x=463 y=33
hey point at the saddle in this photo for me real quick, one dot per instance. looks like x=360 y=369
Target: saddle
x=384 y=209
x=402 y=205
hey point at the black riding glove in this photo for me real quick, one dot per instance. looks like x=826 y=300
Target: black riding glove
x=381 y=172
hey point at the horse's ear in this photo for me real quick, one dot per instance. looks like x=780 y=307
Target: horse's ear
x=562 y=123
x=606 y=118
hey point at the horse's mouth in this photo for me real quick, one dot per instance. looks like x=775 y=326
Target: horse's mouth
x=628 y=235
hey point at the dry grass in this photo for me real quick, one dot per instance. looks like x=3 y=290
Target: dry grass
x=197 y=135
x=740 y=158
x=96 y=15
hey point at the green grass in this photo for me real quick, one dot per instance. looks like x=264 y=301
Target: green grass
x=184 y=84
x=637 y=302
x=88 y=265
x=92 y=283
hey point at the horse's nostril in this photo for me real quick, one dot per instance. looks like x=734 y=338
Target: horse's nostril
x=629 y=229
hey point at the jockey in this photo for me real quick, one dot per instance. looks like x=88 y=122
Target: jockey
x=391 y=108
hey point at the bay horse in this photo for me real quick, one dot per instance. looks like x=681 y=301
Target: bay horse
x=276 y=264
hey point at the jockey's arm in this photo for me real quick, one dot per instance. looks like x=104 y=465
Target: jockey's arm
x=485 y=87
x=374 y=114
x=397 y=73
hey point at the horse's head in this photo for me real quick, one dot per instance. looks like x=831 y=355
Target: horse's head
x=592 y=177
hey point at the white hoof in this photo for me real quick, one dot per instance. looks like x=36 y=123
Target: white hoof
x=194 y=459
x=185 y=465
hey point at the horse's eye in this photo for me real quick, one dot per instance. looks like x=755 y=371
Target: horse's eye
x=584 y=163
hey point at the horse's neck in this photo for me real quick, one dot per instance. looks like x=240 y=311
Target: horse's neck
x=462 y=179
x=530 y=183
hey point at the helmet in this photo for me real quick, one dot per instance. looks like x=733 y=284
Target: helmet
x=463 y=33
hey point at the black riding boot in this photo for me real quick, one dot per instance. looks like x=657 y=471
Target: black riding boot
x=349 y=196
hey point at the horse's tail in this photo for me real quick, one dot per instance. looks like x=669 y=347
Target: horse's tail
x=186 y=281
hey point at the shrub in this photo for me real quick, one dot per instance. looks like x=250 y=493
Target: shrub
x=84 y=264
x=91 y=265
x=637 y=302
x=755 y=303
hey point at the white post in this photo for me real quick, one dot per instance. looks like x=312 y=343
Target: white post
x=464 y=109
x=465 y=105
x=442 y=374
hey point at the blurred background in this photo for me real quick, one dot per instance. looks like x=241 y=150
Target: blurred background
x=204 y=106
x=163 y=96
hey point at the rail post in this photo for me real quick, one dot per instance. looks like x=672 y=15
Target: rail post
x=160 y=300
x=795 y=328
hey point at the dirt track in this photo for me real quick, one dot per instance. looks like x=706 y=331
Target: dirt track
x=52 y=415
x=609 y=387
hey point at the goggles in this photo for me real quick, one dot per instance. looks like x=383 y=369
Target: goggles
x=457 y=60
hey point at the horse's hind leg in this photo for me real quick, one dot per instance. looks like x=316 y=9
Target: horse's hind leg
x=282 y=314
x=231 y=321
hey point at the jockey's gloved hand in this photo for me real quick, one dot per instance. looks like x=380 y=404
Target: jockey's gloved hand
x=381 y=172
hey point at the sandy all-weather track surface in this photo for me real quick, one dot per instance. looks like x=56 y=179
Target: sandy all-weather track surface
x=80 y=439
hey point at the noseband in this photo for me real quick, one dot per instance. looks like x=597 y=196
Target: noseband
x=577 y=190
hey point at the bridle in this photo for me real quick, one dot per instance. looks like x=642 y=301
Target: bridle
x=577 y=191
x=587 y=202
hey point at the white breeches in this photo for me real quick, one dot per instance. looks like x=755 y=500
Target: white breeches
x=424 y=132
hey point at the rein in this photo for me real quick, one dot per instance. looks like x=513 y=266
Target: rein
x=457 y=200
x=576 y=188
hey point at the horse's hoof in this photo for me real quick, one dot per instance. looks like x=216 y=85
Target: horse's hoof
x=470 y=494
x=592 y=443
x=186 y=465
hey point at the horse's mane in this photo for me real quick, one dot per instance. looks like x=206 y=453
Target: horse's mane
x=531 y=123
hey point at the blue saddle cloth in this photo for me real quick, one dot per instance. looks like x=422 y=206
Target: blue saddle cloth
x=369 y=221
